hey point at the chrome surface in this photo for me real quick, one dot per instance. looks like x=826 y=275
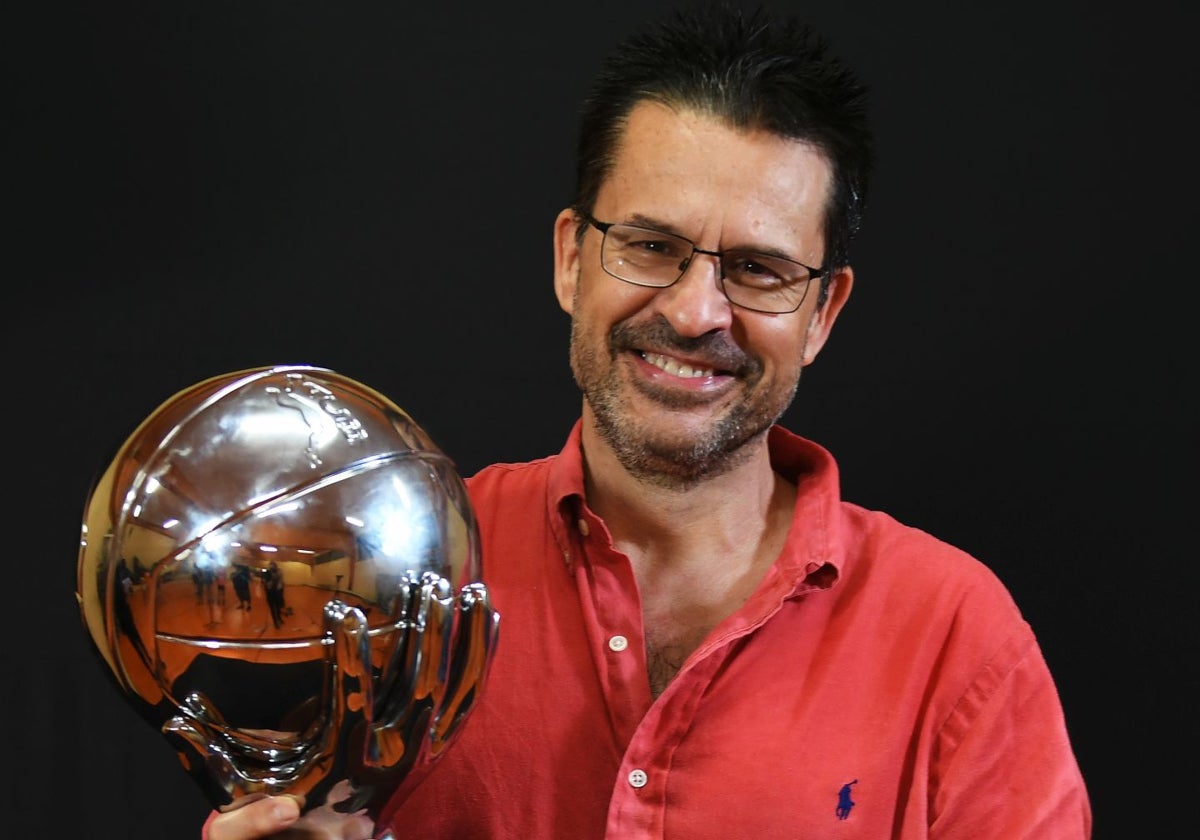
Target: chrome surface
x=281 y=572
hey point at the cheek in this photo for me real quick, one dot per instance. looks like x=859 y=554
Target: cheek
x=796 y=358
x=604 y=301
x=780 y=347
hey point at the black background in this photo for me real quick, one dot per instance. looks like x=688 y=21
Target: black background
x=195 y=188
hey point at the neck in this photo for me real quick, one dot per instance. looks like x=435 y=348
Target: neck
x=697 y=552
x=721 y=518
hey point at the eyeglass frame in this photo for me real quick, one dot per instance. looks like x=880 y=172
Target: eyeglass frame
x=822 y=274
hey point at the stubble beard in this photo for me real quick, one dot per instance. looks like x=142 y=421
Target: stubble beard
x=671 y=462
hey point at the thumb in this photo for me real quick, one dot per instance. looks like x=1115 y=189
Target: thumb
x=259 y=818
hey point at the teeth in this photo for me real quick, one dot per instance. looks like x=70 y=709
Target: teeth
x=671 y=366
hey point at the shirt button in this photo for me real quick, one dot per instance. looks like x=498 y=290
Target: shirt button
x=618 y=643
x=583 y=527
x=638 y=778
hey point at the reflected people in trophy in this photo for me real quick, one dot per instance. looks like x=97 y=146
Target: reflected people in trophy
x=240 y=578
x=273 y=589
x=122 y=592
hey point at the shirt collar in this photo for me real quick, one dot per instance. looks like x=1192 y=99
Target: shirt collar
x=813 y=553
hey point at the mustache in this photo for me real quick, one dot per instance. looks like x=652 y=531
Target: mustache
x=715 y=349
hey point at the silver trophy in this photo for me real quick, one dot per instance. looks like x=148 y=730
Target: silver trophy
x=282 y=573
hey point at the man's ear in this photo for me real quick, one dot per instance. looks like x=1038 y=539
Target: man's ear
x=566 y=258
x=821 y=319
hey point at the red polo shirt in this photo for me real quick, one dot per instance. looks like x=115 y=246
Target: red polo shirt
x=878 y=684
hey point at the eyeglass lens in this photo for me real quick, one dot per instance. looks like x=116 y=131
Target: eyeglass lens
x=757 y=281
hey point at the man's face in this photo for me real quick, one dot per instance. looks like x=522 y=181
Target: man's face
x=677 y=380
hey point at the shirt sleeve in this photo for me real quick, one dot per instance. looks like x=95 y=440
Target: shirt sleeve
x=1006 y=767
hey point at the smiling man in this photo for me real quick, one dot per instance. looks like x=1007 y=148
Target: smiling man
x=681 y=382
x=701 y=638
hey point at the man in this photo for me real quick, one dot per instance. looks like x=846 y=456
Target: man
x=701 y=639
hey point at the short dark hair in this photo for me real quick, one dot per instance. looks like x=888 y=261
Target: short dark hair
x=755 y=69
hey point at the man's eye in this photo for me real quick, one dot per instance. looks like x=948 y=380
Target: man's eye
x=748 y=271
x=657 y=247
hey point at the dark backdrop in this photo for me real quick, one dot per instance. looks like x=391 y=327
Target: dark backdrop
x=203 y=187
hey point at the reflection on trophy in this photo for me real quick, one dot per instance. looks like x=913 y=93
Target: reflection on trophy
x=281 y=571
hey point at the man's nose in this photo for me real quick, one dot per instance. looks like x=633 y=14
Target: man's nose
x=695 y=303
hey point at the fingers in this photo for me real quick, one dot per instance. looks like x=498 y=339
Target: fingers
x=411 y=673
x=324 y=823
x=260 y=818
x=438 y=599
x=475 y=637
x=409 y=687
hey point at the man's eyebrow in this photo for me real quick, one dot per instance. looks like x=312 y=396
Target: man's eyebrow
x=642 y=220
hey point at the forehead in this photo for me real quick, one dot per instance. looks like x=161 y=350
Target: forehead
x=696 y=173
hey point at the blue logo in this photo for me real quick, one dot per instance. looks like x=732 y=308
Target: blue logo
x=845 y=803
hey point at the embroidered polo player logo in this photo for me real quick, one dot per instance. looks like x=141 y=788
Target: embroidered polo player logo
x=845 y=803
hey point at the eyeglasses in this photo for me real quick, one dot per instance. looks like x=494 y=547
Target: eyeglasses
x=648 y=257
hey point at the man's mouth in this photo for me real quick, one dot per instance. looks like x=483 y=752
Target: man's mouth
x=675 y=367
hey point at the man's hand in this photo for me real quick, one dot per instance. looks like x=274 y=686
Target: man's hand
x=264 y=817
x=278 y=817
